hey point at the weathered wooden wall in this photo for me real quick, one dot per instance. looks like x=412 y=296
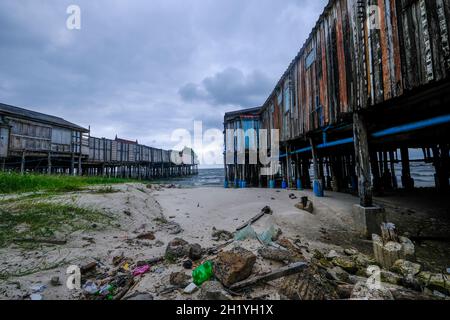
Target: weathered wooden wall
x=113 y=151
x=360 y=54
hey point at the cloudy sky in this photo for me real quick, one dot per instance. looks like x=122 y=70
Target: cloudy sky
x=141 y=69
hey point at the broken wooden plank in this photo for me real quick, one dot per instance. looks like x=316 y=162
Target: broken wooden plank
x=282 y=272
x=263 y=212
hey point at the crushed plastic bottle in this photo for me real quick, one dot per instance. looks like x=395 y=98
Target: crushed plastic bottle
x=267 y=236
x=202 y=273
x=247 y=233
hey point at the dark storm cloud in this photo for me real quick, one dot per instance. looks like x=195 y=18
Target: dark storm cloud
x=232 y=87
x=141 y=69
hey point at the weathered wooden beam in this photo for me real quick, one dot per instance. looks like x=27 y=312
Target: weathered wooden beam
x=362 y=160
x=282 y=272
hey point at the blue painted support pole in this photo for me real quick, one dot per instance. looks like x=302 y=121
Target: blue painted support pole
x=354 y=182
x=236 y=183
x=272 y=184
x=226 y=184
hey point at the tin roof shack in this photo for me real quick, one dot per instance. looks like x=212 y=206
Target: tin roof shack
x=241 y=131
x=37 y=141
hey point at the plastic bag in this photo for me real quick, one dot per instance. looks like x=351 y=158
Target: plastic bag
x=247 y=233
x=141 y=270
x=267 y=236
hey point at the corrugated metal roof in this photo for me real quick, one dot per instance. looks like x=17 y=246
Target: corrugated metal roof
x=232 y=114
x=37 y=116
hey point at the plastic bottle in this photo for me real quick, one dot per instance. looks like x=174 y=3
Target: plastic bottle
x=202 y=273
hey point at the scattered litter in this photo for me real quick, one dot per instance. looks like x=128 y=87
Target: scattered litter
x=264 y=211
x=439 y=294
x=159 y=270
x=292 y=196
x=88 y=267
x=221 y=235
x=141 y=270
x=191 y=288
x=179 y=279
x=106 y=289
x=146 y=236
x=117 y=259
x=305 y=205
x=268 y=236
x=37 y=288
x=35 y=296
x=247 y=233
x=54 y=281
x=283 y=272
x=90 y=287
x=202 y=273
x=187 y=264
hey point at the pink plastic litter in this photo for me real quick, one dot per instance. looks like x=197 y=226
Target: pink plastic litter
x=141 y=270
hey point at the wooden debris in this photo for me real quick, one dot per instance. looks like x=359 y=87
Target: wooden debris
x=389 y=233
x=155 y=260
x=282 y=272
x=88 y=267
x=125 y=289
x=263 y=212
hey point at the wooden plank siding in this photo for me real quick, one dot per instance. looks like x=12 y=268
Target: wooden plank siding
x=347 y=64
x=102 y=150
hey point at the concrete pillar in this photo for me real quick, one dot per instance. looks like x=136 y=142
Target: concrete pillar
x=362 y=160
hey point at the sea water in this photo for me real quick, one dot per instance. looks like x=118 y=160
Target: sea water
x=422 y=173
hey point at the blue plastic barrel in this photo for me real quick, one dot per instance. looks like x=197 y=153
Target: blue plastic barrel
x=284 y=185
x=318 y=188
x=272 y=184
x=299 y=184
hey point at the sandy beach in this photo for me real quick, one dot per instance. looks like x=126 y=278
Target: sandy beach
x=169 y=213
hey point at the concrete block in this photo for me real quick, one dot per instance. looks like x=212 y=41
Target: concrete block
x=368 y=219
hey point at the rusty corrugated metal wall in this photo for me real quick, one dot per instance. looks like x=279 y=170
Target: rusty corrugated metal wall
x=360 y=53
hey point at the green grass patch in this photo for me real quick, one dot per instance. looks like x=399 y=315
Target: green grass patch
x=18 y=183
x=42 y=220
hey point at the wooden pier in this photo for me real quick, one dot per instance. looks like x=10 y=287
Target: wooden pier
x=35 y=142
x=370 y=83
